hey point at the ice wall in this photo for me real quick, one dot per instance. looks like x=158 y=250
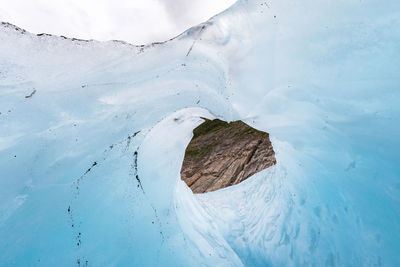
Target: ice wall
x=89 y=164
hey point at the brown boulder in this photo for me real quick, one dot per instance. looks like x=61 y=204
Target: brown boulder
x=222 y=154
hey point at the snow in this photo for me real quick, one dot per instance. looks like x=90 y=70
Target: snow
x=89 y=165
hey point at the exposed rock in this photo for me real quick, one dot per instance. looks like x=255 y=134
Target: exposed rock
x=222 y=154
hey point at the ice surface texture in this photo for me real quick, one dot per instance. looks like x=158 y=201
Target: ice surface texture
x=89 y=163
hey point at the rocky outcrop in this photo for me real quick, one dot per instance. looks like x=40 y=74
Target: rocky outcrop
x=222 y=154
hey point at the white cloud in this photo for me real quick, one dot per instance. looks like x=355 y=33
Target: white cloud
x=135 y=21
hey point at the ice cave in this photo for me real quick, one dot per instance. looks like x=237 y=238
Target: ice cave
x=93 y=136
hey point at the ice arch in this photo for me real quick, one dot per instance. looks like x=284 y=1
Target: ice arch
x=321 y=78
x=160 y=159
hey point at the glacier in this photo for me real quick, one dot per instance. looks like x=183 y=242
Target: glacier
x=92 y=138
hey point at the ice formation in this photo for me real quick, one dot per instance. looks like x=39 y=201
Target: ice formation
x=92 y=137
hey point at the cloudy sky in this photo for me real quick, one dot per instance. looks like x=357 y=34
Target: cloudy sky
x=135 y=21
